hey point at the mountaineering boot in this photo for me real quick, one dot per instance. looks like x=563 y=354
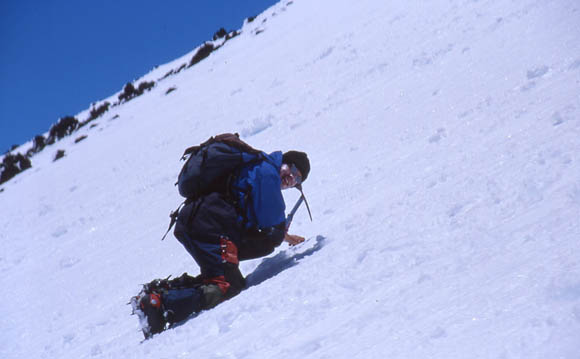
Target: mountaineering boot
x=151 y=307
x=181 y=303
x=163 y=302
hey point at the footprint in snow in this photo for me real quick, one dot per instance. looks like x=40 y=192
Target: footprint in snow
x=441 y=133
x=537 y=72
x=68 y=262
x=575 y=65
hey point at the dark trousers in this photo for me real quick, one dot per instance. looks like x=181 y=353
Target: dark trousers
x=208 y=230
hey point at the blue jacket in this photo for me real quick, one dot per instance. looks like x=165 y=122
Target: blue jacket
x=258 y=193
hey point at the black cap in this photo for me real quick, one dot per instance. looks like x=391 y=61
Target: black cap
x=300 y=160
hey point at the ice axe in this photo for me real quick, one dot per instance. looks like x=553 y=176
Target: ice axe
x=296 y=206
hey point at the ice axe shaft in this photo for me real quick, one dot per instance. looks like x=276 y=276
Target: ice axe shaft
x=295 y=209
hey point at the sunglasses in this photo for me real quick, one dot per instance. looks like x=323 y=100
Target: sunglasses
x=295 y=174
x=292 y=172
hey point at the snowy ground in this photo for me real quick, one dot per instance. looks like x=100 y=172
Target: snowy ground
x=445 y=143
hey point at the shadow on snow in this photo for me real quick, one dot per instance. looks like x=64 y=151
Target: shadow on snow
x=271 y=267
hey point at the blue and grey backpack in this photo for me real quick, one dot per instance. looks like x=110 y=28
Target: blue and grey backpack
x=210 y=167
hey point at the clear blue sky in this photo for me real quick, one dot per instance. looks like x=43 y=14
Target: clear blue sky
x=59 y=56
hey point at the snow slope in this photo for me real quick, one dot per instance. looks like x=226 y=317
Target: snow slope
x=444 y=140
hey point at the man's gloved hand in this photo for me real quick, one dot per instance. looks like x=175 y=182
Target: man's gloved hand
x=293 y=239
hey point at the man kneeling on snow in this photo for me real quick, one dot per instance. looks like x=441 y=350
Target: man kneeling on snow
x=219 y=230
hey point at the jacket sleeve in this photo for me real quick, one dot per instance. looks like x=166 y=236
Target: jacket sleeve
x=267 y=200
x=258 y=243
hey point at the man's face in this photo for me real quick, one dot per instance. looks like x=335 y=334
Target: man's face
x=290 y=176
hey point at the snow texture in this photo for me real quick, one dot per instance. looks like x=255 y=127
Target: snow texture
x=445 y=187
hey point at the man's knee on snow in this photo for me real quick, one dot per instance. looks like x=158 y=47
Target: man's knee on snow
x=212 y=295
x=216 y=290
